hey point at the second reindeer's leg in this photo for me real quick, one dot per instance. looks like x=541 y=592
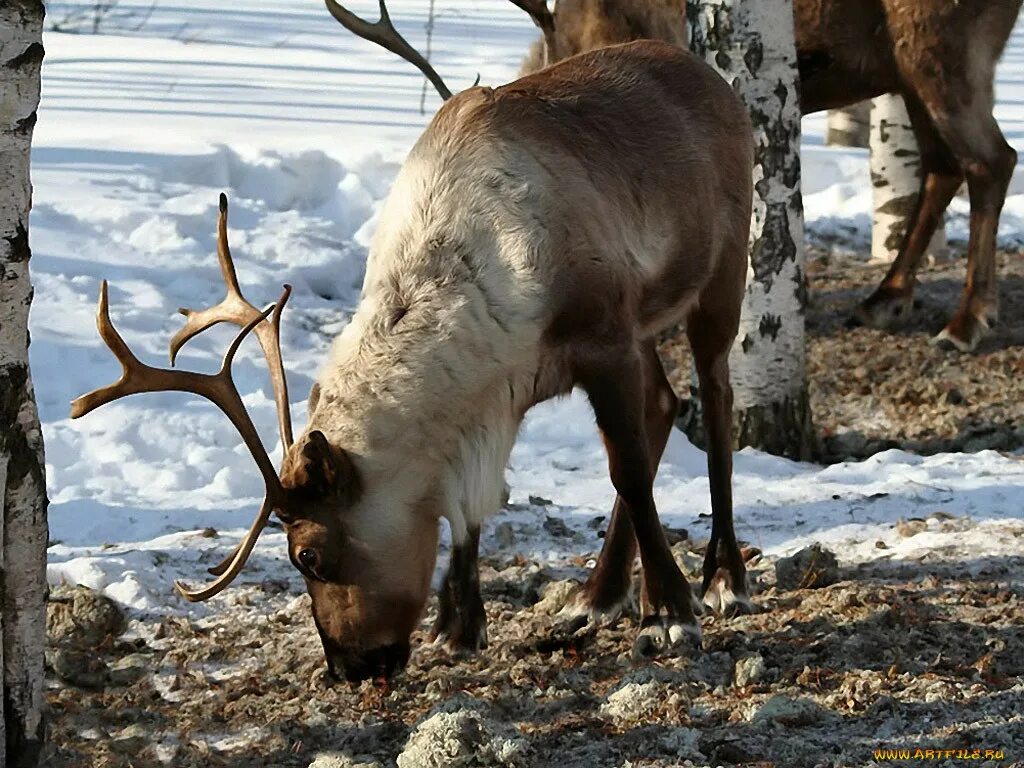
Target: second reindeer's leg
x=606 y=591
x=616 y=393
x=461 y=621
x=725 y=581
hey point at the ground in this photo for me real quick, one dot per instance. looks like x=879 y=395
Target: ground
x=927 y=652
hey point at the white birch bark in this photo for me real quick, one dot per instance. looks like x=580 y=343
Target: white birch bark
x=849 y=126
x=23 y=531
x=896 y=180
x=751 y=43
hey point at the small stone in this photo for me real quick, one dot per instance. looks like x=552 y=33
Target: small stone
x=554 y=596
x=130 y=668
x=460 y=734
x=789 y=710
x=749 y=669
x=908 y=528
x=632 y=702
x=810 y=568
x=337 y=760
x=82 y=616
x=557 y=527
x=675 y=535
x=130 y=740
x=78 y=668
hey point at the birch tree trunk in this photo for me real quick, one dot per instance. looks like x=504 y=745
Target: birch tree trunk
x=750 y=42
x=849 y=126
x=896 y=180
x=23 y=530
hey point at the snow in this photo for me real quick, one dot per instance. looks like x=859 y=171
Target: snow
x=304 y=126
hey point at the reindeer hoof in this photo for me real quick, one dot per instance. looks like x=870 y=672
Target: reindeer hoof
x=963 y=334
x=460 y=632
x=582 y=608
x=883 y=309
x=467 y=642
x=721 y=599
x=664 y=636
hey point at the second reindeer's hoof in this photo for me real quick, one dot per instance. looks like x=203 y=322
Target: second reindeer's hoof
x=666 y=636
x=460 y=631
x=723 y=600
x=884 y=309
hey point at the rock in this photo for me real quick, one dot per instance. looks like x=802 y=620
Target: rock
x=82 y=616
x=78 y=668
x=130 y=668
x=554 y=596
x=912 y=527
x=789 y=710
x=749 y=669
x=556 y=527
x=632 y=702
x=689 y=561
x=460 y=735
x=337 y=760
x=682 y=742
x=810 y=568
x=131 y=740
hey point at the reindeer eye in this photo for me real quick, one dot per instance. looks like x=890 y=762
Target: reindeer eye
x=308 y=558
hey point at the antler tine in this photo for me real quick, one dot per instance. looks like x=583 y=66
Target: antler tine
x=235 y=308
x=232 y=566
x=538 y=10
x=218 y=388
x=542 y=18
x=384 y=34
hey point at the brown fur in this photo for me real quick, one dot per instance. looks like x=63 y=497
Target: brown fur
x=939 y=55
x=581 y=222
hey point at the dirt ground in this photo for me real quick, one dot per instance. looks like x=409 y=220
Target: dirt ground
x=901 y=655
x=872 y=390
x=915 y=654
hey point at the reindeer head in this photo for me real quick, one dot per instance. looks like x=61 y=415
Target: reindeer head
x=368 y=584
x=367 y=570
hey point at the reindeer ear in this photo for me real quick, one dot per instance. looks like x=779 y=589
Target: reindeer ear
x=314 y=467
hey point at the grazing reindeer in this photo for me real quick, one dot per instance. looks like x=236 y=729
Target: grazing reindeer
x=537 y=238
x=939 y=55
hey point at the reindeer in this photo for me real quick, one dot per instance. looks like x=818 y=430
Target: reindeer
x=531 y=243
x=940 y=56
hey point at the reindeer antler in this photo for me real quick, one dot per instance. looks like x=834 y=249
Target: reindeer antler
x=235 y=308
x=219 y=388
x=384 y=34
x=544 y=19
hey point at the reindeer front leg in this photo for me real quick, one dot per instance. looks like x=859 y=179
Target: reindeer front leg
x=617 y=395
x=461 y=621
x=606 y=593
